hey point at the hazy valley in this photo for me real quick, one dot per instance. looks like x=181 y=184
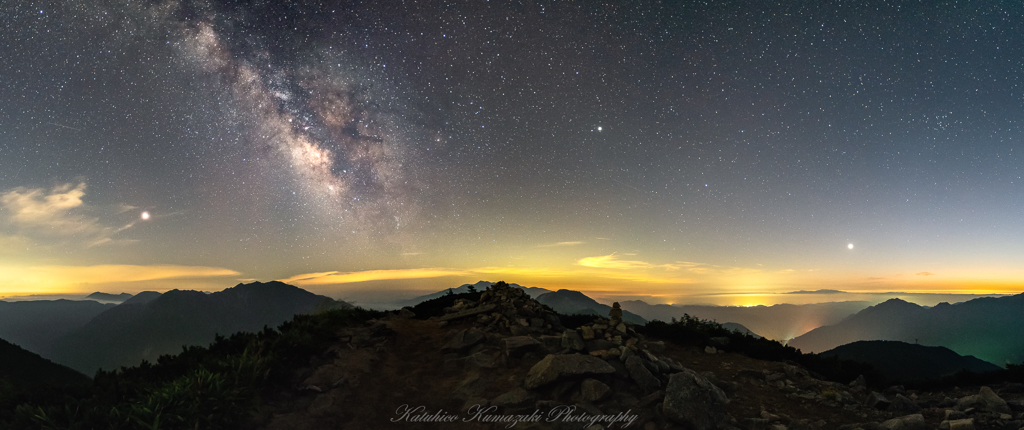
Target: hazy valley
x=473 y=340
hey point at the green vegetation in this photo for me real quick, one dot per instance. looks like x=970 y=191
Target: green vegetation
x=217 y=387
x=690 y=331
x=1014 y=373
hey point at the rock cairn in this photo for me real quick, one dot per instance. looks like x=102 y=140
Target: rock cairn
x=602 y=368
x=506 y=310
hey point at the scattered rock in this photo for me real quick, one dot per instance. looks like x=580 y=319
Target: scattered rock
x=907 y=422
x=986 y=400
x=643 y=377
x=551 y=343
x=903 y=404
x=467 y=312
x=961 y=424
x=592 y=390
x=555 y=366
x=693 y=401
x=876 y=400
x=516 y=346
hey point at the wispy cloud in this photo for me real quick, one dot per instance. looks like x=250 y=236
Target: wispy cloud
x=69 y=278
x=925 y=273
x=52 y=211
x=58 y=212
x=556 y=244
x=611 y=261
x=324 y=278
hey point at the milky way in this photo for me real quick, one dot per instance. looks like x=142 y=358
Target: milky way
x=349 y=159
x=682 y=147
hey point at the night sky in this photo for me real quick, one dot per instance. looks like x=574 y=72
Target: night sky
x=678 y=149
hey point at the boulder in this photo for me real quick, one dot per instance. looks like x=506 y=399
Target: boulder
x=903 y=404
x=694 y=402
x=516 y=346
x=588 y=333
x=572 y=340
x=626 y=353
x=600 y=345
x=555 y=366
x=551 y=343
x=643 y=377
x=906 y=422
x=961 y=424
x=986 y=400
x=468 y=312
x=592 y=390
x=876 y=400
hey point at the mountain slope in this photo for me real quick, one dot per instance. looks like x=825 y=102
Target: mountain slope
x=901 y=361
x=989 y=328
x=780 y=322
x=132 y=332
x=740 y=328
x=571 y=302
x=37 y=325
x=26 y=370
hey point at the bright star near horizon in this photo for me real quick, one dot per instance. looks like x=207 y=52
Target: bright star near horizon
x=145 y=215
x=849 y=246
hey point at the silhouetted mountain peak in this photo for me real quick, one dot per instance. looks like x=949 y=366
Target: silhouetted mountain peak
x=572 y=294
x=574 y=302
x=126 y=335
x=142 y=298
x=891 y=307
x=903 y=361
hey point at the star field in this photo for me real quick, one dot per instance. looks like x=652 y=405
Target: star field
x=641 y=148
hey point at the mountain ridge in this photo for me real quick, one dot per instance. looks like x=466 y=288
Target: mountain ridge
x=906 y=362
x=132 y=332
x=986 y=328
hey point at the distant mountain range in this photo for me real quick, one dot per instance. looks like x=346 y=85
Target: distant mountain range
x=571 y=302
x=107 y=297
x=37 y=325
x=988 y=328
x=150 y=325
x=903 y=362
x=778 y=322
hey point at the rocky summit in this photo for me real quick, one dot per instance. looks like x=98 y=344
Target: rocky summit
x=506 y=361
